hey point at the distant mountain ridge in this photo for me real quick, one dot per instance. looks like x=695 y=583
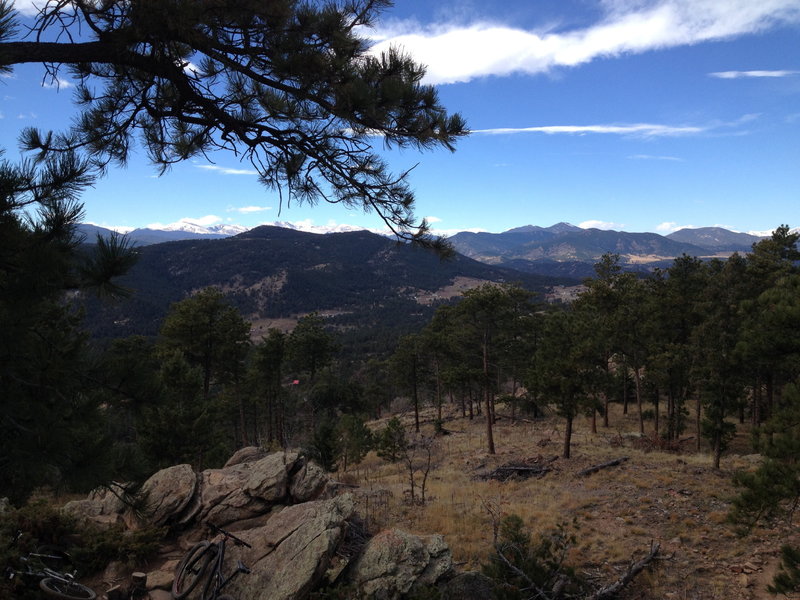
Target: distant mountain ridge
x=363 y=282
x=561 y=250
x=716 y=238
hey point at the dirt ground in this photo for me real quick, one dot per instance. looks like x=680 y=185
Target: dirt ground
x=675 y=499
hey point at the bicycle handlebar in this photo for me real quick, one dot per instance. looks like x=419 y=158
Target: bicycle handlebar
x=229 y=535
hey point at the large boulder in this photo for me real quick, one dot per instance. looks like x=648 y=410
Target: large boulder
x=101 y=507
x=393 y=562
x=244 y=490
x=167 y=494
x=291 y=553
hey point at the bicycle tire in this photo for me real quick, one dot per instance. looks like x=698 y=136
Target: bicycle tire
x=192 y=569
x=66 y=590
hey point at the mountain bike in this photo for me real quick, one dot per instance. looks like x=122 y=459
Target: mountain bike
x=203 y=563
x=53 y=583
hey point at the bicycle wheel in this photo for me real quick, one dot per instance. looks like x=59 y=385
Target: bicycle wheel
x=192 y=568
x=65 y=590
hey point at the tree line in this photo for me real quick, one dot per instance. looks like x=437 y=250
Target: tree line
x=717 y=337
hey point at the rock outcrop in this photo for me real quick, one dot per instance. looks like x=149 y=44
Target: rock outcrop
x=298 y=526
x=393 y=562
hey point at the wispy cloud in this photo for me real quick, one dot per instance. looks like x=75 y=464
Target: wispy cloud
x=651 y=157
x=458 y=52
x=636 y=129
x=605 y=225
x=641 y=130
x=227 y=170
x=743 y=74
x=245 y=210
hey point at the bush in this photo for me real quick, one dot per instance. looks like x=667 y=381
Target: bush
x=391 y=442
x=523 y=569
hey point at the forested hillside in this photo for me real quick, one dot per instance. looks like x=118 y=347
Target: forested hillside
x=370 y=285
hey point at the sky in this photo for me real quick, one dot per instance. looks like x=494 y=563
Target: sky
x=633 y=115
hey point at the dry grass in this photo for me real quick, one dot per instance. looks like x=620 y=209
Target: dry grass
x=676 y=499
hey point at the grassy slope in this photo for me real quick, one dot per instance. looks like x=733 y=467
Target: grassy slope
x=676 y=499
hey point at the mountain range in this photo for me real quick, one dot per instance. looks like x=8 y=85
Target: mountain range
x=561 y=241
x=561 y=250
x=370 y=287
x=363 y=283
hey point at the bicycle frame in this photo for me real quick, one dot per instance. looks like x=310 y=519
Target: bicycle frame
x=217 y=580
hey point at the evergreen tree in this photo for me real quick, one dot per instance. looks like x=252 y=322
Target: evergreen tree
x=211 y=333
x=310 y=347
x=355 y=440
x=564 y=369
x=718 y=370
x=287 y=85
x=408 y=369
x=266 y=372
x=51 y=422
x=489 y=315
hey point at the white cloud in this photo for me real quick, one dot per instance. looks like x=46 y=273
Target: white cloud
x=606 y=225
x=672 y=226
x=741 y=74
x=29 y=7
x=454 y=52
x=227 y=170
x=117 y=228
x=57 y=83
x=636 y=129
x=205 y=221
x=249 y=209
x=651 y=157
x=433 y=219
x=449 y=232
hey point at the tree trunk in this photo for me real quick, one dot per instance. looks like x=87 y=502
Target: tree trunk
x=487 y=396
x=567 y=438
x=655 y=407
x=638 y=380
x=624 y=387
x=415 y=397
x=698 y=416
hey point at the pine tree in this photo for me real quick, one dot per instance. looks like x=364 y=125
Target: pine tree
x=289 y=86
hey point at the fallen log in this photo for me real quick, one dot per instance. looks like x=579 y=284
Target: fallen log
x=612 y=590
x=594 y=469
x=505 y=472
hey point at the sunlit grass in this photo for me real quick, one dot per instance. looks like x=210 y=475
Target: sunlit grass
x=673 y=498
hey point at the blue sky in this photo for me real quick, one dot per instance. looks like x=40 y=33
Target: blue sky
x=636 y=115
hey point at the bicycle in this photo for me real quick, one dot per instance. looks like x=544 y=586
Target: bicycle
x=52 y=583
x=204 y=561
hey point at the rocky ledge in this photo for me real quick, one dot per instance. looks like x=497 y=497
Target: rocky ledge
x=304 y=534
